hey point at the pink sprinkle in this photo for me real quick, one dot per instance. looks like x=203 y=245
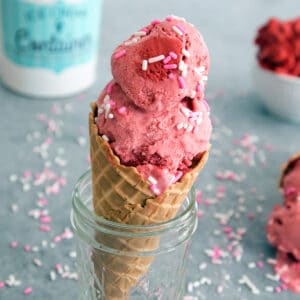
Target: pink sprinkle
x=58 y=266
x=278 y=289
x=27 y=248
x=57 y=239
x=217 y=253
x=45 y=228
x=45 y=219
x=112 y=103
x=42 y=201
x=199 y=197
x=199 y=88
x=199 y=214
x=120 y=53
x=173 y=55
x=14 y=244
x=227 y=229
x=181 y=82
x=178 y=176
x=62 y=181
x=260 y=264
x=48 y=141
x=154 y=189
x=145 y=29
x=169 y=18
x=2 y=284
x=251 y=216
x=221 y=189
x=122 y=110
x=27 y=291
x=155 y=22
x=27 y=174
x=171 y=76
x=180 y=28
x=284 y=286
x=109 y=87
x=167 y=59
x=170 y=67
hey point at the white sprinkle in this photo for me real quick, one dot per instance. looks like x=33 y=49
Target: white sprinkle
x=190 y=287
x=193 y=94
x=204 y=78
x=73 y=254
x=132 y=41
x=269 y=289
x=106 y=99
x=156 y=59
x=60 y=162
x=271 y=261
x=274 y=277
x=245 y=280
x=179 y=126
x=177 y=30
x=37 y=262
x=110 y=116
x=12 y=281
x=205 y=280
x=44 y=243
x=203 y=266
x=220 y=289
x=52 y=275
x=145 y=65
x=100 y=111
x=251 y=265
x=14 y=207
x=185 y=111
x=13 y=178
x=186 y=53
x=152 y=180
x=81 y=140
x=26 y=187
x=181 y=65
x=185 y=125
x=189 y=128
x=35 y=249
x=184 y=71
x=140 y=33
x=105 y=137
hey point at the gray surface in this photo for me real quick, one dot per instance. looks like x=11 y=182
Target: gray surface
x=229 y=28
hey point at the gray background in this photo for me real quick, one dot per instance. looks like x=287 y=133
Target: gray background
x=228 y=27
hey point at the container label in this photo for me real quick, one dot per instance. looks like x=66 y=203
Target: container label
x=54 y=36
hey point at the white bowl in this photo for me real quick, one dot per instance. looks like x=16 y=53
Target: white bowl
x=279 y=93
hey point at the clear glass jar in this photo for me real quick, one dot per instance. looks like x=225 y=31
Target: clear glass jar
x=160 y=250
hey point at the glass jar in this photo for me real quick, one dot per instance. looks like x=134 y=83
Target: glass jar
x=158 y=252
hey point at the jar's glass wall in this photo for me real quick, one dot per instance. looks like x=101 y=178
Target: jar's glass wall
x=148 y=261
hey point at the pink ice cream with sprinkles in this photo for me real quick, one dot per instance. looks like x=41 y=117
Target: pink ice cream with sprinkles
x=159 y=121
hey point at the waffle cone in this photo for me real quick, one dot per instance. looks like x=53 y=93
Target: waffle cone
x=121 y=195
x=285 y=168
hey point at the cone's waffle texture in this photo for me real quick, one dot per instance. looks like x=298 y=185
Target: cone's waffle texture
x=288 y=167
x=121 y=195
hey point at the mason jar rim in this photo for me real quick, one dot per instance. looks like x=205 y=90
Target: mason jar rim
x=99 y=222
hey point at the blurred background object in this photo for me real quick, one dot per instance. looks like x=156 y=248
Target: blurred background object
x=49 y=48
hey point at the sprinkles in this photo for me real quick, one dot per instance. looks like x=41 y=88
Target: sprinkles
x=177 y=30
x=144 y=65
x=120 y=54
x=156 y=59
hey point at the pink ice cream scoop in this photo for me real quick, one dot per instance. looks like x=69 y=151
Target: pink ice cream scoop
x=283 y=229
x=153 y=113
x=291 y=182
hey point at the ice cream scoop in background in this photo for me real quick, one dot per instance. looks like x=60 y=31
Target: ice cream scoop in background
x=277 y=69
x=149 y=139
x=284 y=223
